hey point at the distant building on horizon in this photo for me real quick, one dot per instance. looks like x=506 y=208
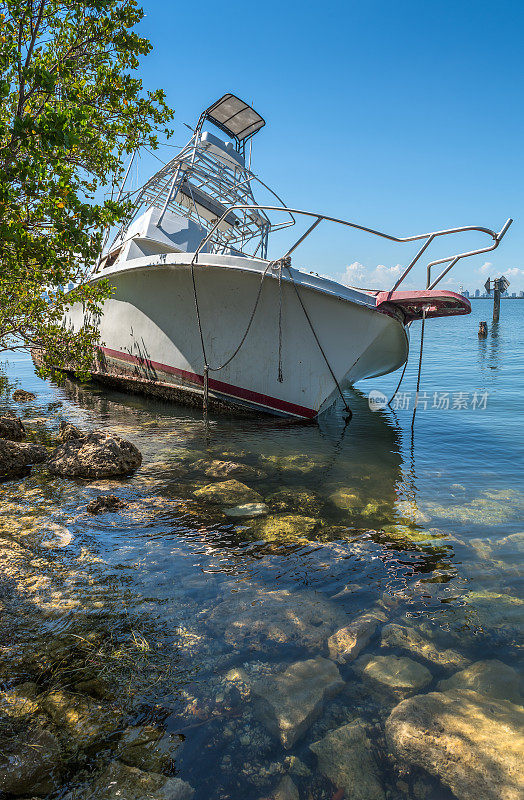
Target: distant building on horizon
x=477 y=292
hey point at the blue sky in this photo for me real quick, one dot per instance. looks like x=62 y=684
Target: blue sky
x=403 y=116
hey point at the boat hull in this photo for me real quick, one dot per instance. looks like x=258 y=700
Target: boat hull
x=151 y=339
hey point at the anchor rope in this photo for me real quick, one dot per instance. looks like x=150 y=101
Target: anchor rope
x=400 y=381
x=313 y=331
x=424 y=312
x=280 y=373
x=207 y=367
x=281 y=263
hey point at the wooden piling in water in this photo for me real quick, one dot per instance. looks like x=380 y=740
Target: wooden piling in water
x=498 y=285
x=496 y=304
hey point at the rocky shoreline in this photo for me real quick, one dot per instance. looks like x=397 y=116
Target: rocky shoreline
x=302 y=695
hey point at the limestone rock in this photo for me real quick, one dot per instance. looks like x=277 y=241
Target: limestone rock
x=121 y=782
x=95 y=455
x=11 y=427
x=345 y=758
x=229 y=493
x=81 y=719
x=346 y=643
x=16 y=458
x=35 y=453
x=289 y=702
x=107 y=502
x=246 y=510
x=30 y=763
x=492 y=678
x=471 y=742
x=400 y=676
x=22 y=396
x=258 y=618
x=68 y=432
x=409 y=639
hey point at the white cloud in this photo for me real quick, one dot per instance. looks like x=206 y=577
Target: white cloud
x=514 y=272
x=381 y=277
x=353 y=273
x=484 y=269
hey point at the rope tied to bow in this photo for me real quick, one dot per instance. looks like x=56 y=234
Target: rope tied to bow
x=280 y=264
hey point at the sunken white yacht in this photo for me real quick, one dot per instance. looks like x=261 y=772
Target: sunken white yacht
x=200 y=313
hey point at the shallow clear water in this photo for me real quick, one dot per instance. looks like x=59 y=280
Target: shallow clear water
x=425 y=525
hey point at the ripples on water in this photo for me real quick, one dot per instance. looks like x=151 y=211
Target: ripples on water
x=164 y=600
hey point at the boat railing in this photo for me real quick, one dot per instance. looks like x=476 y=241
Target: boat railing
x=425 y=238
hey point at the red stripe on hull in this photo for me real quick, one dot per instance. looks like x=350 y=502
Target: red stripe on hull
x=265 y=400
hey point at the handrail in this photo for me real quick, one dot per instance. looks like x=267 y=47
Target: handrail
x=428 y=237
x=454 y=259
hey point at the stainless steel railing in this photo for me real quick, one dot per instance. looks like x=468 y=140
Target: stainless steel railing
x=426 y=238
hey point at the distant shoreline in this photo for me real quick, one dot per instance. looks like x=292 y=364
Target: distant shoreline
x=491 y=298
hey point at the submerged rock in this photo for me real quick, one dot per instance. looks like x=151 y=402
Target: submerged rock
x=11 y=427
x=247 y=510
x=289 y=702
x=121 y=782
x=297 y=767
x=397 y=675
x=489 y=508
x=345 y=758
x=18 y=703
x=346 y=643
x=492 y=678
x=471 y=742
x=81 y=719
x=286 y=790
x=96 y=687
x=494 y=610
x=23 y=396
x=16 y=458
x=29 y=763
x=107 y=502
x=300 y=501
x=258 y=618
x=229 y=493
x=286 y=528
x=346 y=499
x=224 y=469
x=291 y=463
x=94 y=455
x=406 y=638
x=147 y=748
